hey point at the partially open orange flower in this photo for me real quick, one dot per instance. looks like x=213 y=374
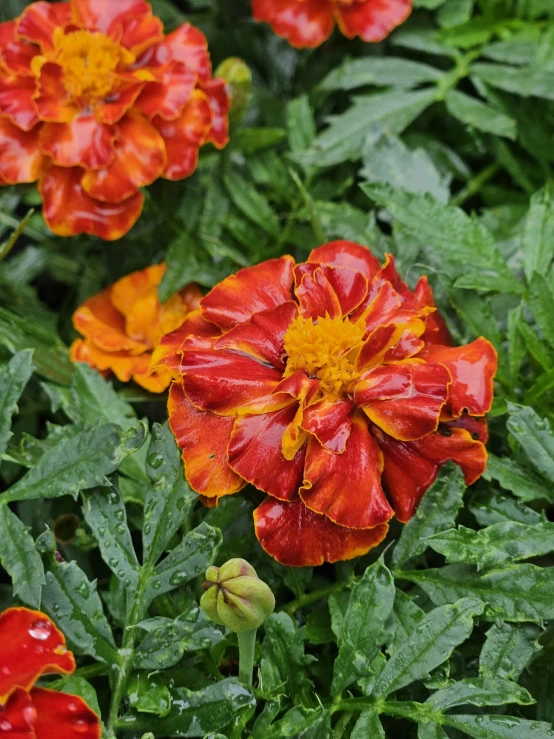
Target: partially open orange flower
x=31 y=646
x=95 y=103
x=124 y=323
x=331 y=386
x=308 y=23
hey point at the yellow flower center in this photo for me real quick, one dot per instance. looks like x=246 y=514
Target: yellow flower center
x=325 y=349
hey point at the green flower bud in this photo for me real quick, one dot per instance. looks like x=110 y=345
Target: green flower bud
x=236 y=597
x=238 y=77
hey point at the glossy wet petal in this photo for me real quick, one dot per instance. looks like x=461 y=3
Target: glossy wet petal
x=371 y=20
x=347 y=254
x=17 y=101
x=220 y=104
x=40 y=19
x=64 y=716
x=168 y=96
x=82 y=142
x=107 y=16
x=303 y=24
x=21 y=159
x=330 y=421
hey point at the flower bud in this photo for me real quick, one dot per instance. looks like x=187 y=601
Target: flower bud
x=238 y=77
x=236 y=597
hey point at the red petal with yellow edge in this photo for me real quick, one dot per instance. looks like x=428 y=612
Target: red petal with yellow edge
x=330 y=421
x=316 y=295
x=407 y=416
x=51 y=98
x=473 y=368
x=40 y=19
x=168 y=96
x=255 y=453
x=63 y=716
x=477 y=427
x=105 y=15
x=16 y=101
x=382 y=342
x=83 y=142
x=139 y=159
x=184 y=136
x=297 y=537
x=250 y=290
x=220 y=104
x=228 y=383
x=262 y=336
x=168 y=352
x=15 y=53
x=140 y=32
x=372 y=20
x=384 y=383
x=21 y=159
x=380 y=307
x=347 y=487
x=69 y=210
x=30 y=646
x=407 y=346
x=120 y=101
x=347 y=254
x=436 y=330
x=18 y=716
x=203 y=438
x=303 y=24
x=411 y=467
x=185 y=44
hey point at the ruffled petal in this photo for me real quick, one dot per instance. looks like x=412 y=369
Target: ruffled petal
x=139 y=159
x=139 y=32
x=473 y=368
x=203 y=438
x=63 y=716
x=303 y=24
x=347 y=254
x=153 y=380
x=372 y=20
x=255 y=453
x=411 y=467
x=169 y=350
x=347 y=487
x=477 y=427
x=21 y=159
x=436 y=330
x=120 y=101
x=298 y=537
x=107 y=16
x=82 y=142
x=168 y=96
x=16 y=100
x=51 y=98
x=186 y=44
x=251 y=290
x=15 y=53
x=330 y=421
x=69 y=210
x=30 y=646
x=19 y=716
x=185 y=135
x=389 y=343
x=125 y=366
x=40 y=19
x=315 y=294
x=220 y=104
x=100 y=321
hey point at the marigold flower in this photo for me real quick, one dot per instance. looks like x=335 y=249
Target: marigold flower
x=31 y=646
x=95 y=103
x=331 y=386
x=124 y=323
x=308 y=23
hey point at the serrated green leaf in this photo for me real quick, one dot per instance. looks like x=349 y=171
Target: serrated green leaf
x=20 y=559
x=406 y=615
x=252 y=203
x=499 y=727
x=430 y=731
x=541 y=302
x=490 y=507
x=301 y=126
x=13 y=380
x=480 y=691
x=538 y=237
x=251 y=140
x=479 y=115
x=283 y=660
x=524 y=81
x=521 y=482
x=507 y=650
x=302 y=723
x=379 y=71
x=535 y=437
x=368 y=725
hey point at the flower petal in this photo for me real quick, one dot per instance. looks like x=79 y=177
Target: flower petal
x=315 y=293
x=30 y=646
x=16 y=100
x=15 y=53
x=169 y=350
x=472 y=367
x=390 y=342
x=153 y=380
x=347 y=254
x=51 y=98
x=82 y=142
x=40 y=19
x=436 y=330
x=220 y=104
x=21 y=159
x=249 y=291
x=347 y=487
x=372 y=20
x=186 y=44
x=203 y=438
x=303 y=24
x=123 y=364
x=330 y=421
x=169 y=94
x=411 y=467
x=185 y=135
x=120 y=101
x=139 y=159
x=107 y=16
x=298 y=537
x=477 y=427
x=20 y=715
x=64 y=716
x=69 y=210
x=100 y=322
x=128 y=292
x=138 y=32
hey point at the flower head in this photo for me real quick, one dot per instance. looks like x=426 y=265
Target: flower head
x=96 y=102
x=31 y=646
x=308 y=23
x=124 y=323
x=331 y=386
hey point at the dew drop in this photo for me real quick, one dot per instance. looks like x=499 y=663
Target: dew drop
x=177 y=578
x=155 y=460
x=80 y=726
x=120 y=528
x=119 y=514
x=72 y=707
x=30 y=715
x=6 y=670
x=40 y=630
x=82 y=589
x=5 y=726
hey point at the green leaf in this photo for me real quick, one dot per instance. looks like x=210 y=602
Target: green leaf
x=13 y=380
x=480 y=691
x=431 y=644
x=490 y=507
x=521 y=482
x=437 y=510
x=524 y=81
x=517 y=593
x=406 y=615
x=302 y=723
x=369 y=607
x=78 y=463
x=72 y=601
x=380 y=71
x=76 y=685
x=507 y=650
x=251 y=140
x=541 y=302
x=499 y=727
x=252 y=203
x=20 y=559
x=538 y=237
x=535 y=437
x=368 y=725
x=301 y=126
x=479 y=115
x=283 y=661
x=430 y=731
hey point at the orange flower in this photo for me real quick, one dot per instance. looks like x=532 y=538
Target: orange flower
x=31 y=646
x=124 y=323
x=95 y=103
x=308 y=23
x=332 y=387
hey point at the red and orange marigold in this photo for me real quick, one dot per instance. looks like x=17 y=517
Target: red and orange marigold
x=124 y=323
x=31 y=646
x=96 y=102
x=332 y=387
x=308 y=23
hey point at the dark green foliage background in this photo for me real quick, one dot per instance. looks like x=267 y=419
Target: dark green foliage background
x=437 y=146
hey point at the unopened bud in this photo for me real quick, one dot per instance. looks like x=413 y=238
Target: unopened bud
x=236 y=597
x=238 y=77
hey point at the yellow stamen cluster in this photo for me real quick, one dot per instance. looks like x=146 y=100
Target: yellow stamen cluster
x=325 y=349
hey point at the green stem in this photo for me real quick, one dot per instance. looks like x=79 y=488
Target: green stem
x=247 y=646
x=476 y=183
x=309 y=598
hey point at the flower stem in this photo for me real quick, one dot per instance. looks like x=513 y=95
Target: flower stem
x=247 y=645
x=309 y=598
